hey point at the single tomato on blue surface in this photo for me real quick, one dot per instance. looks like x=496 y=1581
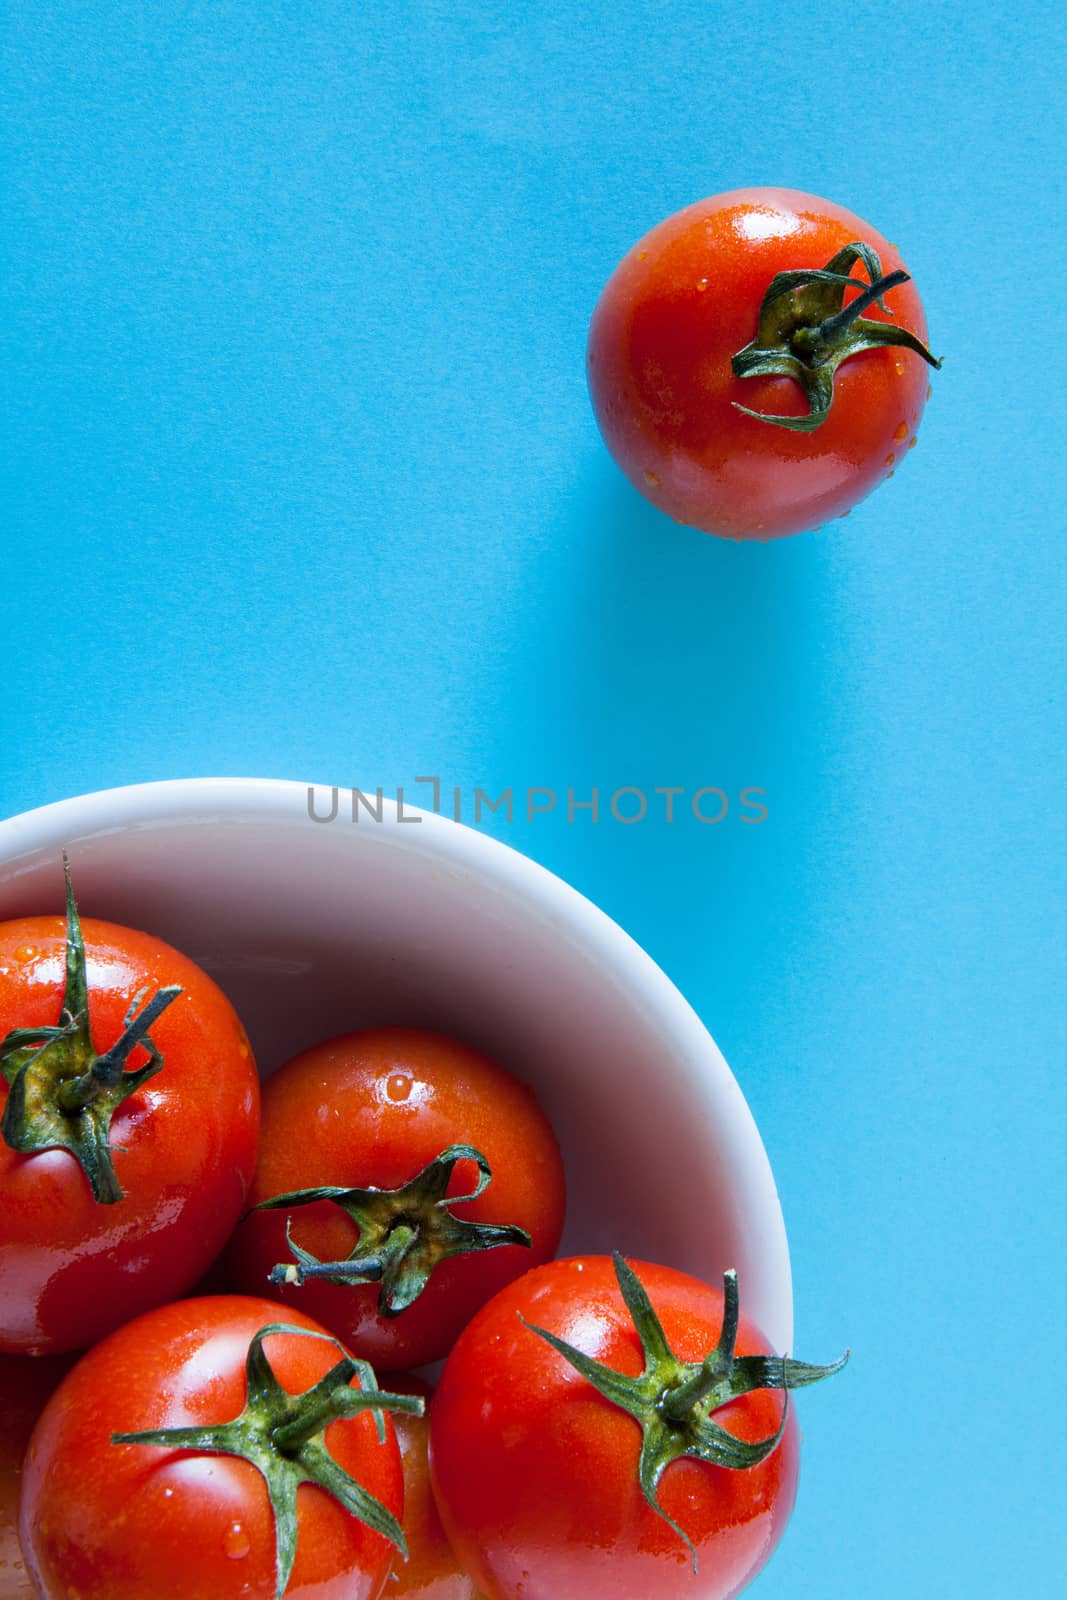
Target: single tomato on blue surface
x=744 y=374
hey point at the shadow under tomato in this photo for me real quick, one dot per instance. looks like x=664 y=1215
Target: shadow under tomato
x=673 y=658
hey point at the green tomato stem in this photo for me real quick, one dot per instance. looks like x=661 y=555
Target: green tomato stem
x=805 y=331
x=73 y=1095
x=678 y=1402
x=62 y=1095
x=403 y=1233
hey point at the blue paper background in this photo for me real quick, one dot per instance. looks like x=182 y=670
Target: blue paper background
x=301 y=480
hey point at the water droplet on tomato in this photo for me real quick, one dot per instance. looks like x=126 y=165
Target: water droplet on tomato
x=912 y=442
x=25 y=952
x=398 y=1086
x=237 y=1544
x=900 y=431
x=641 y=254
x=890 y=458
x=898 y=367
x=652 y=480
x=702 y=284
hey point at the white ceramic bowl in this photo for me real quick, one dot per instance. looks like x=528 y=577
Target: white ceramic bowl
x=314 y=928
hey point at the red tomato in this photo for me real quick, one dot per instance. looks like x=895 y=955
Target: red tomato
x=373 y=1110
x=431 y=1571
x=130 y=1521
x=686 y=301
x=536 y=1472
x=182 y=1143
x=25 y=1384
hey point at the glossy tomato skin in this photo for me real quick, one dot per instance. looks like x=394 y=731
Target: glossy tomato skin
x=535 y=1474
x=26 y=1382
x=676 y=310
x=142 y=1522
x=372 y=1109
x=184 y=1144
x=432 y=1570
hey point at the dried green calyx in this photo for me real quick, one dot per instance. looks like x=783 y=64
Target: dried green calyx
x=281 y=1435
x=674 y=1401
x=806 y=331
x=403 y=1233
x=62 y=1094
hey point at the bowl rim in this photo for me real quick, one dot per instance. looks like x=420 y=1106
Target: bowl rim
x=690 y=1045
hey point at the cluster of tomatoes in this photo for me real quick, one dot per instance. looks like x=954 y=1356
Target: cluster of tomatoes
x=390 y=1198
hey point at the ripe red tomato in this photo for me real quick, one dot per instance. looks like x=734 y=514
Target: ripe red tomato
x=108 y=1520
x=374 y=1110
x=168 y=1143
x=431 y=1571
x=25 y=1384
x=686 y=302
x=537 y=1473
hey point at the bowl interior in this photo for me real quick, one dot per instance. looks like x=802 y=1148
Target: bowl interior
x=315 y=928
